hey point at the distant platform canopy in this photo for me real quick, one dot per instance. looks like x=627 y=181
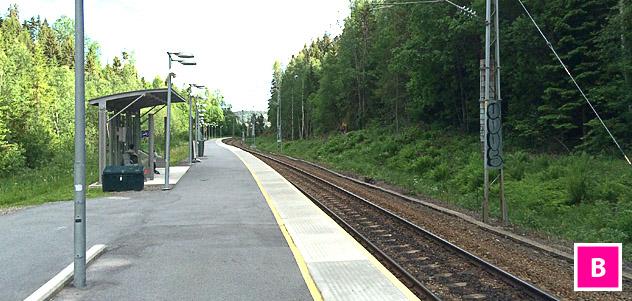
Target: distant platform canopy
x=136 y=100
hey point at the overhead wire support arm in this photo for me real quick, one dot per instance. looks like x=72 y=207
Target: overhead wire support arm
x=581 y=91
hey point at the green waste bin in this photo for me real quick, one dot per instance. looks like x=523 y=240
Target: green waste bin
x=123 y=178
x=200 y=148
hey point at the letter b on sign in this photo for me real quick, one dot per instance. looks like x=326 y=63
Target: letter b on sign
x=598 y=267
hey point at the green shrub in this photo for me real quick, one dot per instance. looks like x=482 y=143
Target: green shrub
x=578 y=182
x=422 y=164
x=11 y=158
x=441 y=172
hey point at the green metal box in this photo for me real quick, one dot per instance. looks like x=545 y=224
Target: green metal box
x=123 y=178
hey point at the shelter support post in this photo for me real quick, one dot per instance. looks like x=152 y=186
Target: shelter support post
x=151 y=146
x=116 y=149
x=136 y=131
x=102 y=139
x=129 y=130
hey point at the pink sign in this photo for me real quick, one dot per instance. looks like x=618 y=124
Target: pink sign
x=598 y=266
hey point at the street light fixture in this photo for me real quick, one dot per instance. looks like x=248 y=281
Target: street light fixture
x=179 y=58
x=191 y=150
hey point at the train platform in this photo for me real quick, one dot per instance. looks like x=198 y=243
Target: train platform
x=334 y=265
x=232 y=229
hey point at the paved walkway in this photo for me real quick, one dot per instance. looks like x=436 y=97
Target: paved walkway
x=205 y=240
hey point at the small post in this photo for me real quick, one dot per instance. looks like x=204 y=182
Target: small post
x=151 y=150
x=503 y=202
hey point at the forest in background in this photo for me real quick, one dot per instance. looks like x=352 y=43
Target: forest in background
x=403 y=65
x=37 y=106
x=395 y=98
x=37 y=91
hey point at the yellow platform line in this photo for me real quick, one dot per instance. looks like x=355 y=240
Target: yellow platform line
x=300 y=261
x=376 y=263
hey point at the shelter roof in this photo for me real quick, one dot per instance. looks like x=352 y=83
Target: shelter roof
x=136 y=100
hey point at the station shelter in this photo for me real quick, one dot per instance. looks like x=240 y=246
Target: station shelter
x=121 y=120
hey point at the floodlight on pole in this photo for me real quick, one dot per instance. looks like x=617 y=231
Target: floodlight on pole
x=184 y=55
x=168 y=125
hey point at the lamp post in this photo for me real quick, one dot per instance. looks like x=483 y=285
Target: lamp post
x=80 y=153
x=254 y=130
x=198 y=132
x=180 y=59
x=191 y=121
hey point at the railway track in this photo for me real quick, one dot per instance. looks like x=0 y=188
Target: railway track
x=429 y=265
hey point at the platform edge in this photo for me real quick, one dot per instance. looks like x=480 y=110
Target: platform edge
x=298 y=257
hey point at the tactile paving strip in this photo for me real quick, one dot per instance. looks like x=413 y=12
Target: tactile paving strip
x=341 y=268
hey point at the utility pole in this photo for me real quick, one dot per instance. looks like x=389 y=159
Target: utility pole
x=254 y=130
x=80 y=153
x=491 y=110
x=293 y=84
x=279 y=130
x=302 y=107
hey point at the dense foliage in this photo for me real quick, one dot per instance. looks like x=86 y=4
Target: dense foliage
x=37 y=93
x=402 y=82
x=401 y=65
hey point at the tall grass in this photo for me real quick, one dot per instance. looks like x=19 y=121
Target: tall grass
x=50 y=182
x=53 y=181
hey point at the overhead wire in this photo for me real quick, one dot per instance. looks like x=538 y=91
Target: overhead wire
x=464 y=9
x=575 y=82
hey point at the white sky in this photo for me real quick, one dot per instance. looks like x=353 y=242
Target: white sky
x=235 y=42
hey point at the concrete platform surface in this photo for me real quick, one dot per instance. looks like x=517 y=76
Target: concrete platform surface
x=339 y=266
x=212 y=237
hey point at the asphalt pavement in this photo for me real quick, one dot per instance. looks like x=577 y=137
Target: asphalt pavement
x=212 y=237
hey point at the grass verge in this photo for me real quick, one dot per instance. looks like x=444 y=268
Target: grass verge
x=54 y=181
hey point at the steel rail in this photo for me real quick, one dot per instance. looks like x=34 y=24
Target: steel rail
x=416 y=285
x=504 y=275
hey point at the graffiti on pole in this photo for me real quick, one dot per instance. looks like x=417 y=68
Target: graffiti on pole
x=494 y=136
